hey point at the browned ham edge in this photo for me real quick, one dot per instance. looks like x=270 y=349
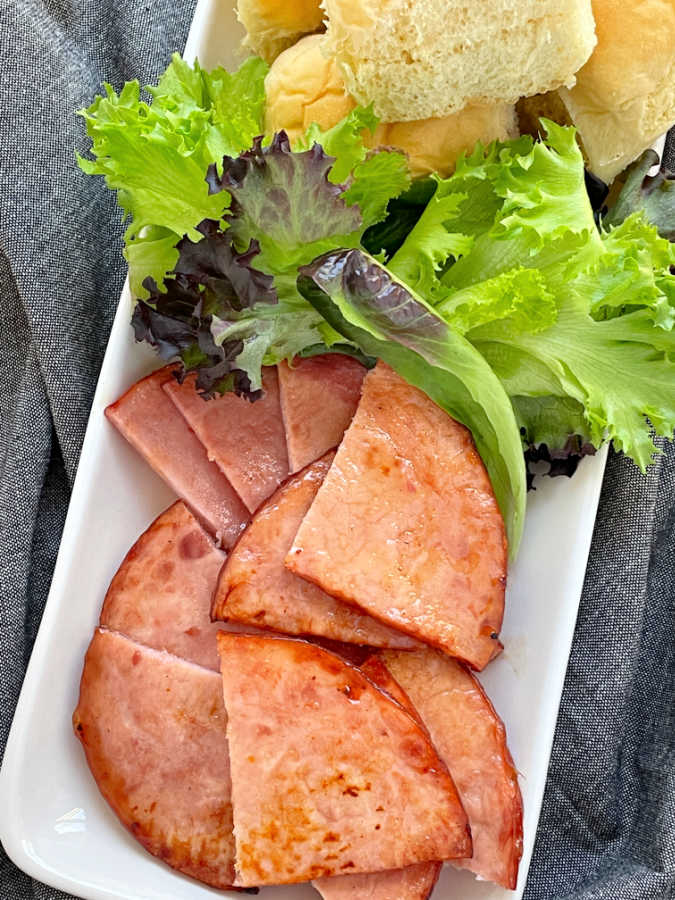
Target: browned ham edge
x=471 y=739
x=255 y=588
x=153 y=426
x=319 y=396
x=153 y=731
x=406 y=525
x=412 y=883
x=161 y=594
x=246 y=440
x=329 y=775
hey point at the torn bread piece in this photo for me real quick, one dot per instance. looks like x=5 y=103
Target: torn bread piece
x=148 y=419
x=256 y=589
x=329 y=775
x=471 y=740
x=434 y=57
x=319 y=396
x=246 y=440
x=153 y=731
x=161 y=594
x=406 y=525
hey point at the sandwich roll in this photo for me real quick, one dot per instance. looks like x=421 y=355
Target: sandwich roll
x=624 y=97
x=305 y=86
x=435 y=145
x=432 y=58
x=273 y=25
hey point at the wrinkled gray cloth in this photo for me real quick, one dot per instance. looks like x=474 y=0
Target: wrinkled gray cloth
x=607 y=829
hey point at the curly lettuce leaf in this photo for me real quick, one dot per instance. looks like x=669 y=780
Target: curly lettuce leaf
x=155 y=155
x=619 y=369
x=520 y=299
x=291 y=205
x=543 y=419
x=630 y=273
x=433 y=241
x=235 y=101
x=211 y=282
x=543 y=423
x=559 y=309
x=381 y=315
x=285 y=201
x=371 y=178
x=382 y=176
x=284 y=210
x=150 y=255
x=513 y=204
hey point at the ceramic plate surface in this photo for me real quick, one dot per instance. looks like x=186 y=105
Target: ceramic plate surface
x=53 y=822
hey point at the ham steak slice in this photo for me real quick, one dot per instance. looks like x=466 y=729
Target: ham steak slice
x=153 y=426
x=406 y=525
x=246 y=440
x=375 y=670
x=256 y=589
x=319 y=396
x=162 y=592
x=412 y=883
x=153 y=731
x=329 y=775
x=471 y=740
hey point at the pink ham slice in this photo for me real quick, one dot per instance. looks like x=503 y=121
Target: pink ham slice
x=471 y=740
x=246 y=440
x=153 y=730
x=153 y=426
x=412 y=883
x=319 y=397
x=256 y=589
x=329 y=775
x=162 y=592
x=406 y=525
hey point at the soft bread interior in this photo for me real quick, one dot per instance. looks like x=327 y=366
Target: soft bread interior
x=433 y=57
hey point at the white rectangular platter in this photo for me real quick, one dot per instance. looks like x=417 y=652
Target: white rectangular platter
x=53 y=822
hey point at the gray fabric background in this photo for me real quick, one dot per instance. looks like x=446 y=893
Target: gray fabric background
x=607 y=830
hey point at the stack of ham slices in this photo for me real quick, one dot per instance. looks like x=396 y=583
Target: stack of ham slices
x=280 y=689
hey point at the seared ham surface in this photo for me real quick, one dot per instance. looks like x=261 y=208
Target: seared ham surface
x=153 y=730
x=161 y=594
x=406 y=525
x=329 y=775
x=412 y=883
x=255 y=587
x=342 y=744
x=471 y=740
